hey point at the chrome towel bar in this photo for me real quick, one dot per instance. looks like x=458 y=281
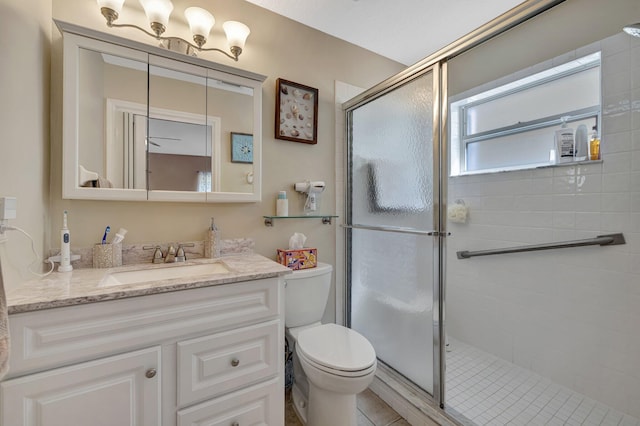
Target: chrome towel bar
x=602 y=240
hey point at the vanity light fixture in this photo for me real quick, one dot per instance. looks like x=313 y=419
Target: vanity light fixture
x=633 y=29
x=200 y=22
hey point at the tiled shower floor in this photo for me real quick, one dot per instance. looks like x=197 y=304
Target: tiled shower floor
x=492 y=391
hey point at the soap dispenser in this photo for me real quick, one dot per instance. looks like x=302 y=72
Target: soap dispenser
x=212 y=241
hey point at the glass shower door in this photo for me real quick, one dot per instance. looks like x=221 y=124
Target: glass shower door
x=392 y=247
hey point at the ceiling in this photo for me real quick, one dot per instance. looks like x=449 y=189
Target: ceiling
x=403 y=30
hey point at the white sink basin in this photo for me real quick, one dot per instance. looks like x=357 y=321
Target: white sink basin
x=167 y=273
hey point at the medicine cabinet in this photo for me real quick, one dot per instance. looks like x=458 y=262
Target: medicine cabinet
x=144 y=123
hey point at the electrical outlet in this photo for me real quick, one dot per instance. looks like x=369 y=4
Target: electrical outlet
x=8 y=207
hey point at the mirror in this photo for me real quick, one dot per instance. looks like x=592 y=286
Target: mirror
x=142 y=123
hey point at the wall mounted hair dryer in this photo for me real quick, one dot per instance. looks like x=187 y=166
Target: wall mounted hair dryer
x=312 y=189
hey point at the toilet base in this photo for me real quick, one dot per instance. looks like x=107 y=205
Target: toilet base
x=300 y=404
x=324 y=408
x=329 y=408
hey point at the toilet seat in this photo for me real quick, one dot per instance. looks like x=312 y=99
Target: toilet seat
x=335 y=372
x=336 y=350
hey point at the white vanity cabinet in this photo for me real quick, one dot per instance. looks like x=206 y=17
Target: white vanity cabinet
x=209 y=355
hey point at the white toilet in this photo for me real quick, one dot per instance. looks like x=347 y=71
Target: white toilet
x=331 y=363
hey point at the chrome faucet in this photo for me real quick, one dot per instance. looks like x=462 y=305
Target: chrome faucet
x=181 y=256
x=171 y=254
x=157 y=254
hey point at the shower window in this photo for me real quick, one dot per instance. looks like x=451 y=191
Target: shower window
x=509 y=126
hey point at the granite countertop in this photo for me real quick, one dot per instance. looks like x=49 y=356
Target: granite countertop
x=87 y=285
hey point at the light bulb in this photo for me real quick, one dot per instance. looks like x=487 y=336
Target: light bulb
x=633 y=29
x=200 y=22
x=115 y=5
x=237 y=33
x=157 y=11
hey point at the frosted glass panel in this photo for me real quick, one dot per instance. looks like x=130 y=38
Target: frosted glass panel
x=392 y=161
x=391 y=280
x=392 y=300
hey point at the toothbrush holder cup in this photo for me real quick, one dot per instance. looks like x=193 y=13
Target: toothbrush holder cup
x=107 y=255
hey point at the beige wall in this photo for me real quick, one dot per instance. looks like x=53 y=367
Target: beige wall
x=277 y=47
x=25 y=31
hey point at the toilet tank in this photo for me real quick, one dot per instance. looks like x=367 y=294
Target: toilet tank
x=306 y=292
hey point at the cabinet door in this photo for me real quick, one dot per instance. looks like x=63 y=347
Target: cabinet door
x=120 y=390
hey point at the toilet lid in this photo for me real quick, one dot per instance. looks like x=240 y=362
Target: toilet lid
x=336 y=347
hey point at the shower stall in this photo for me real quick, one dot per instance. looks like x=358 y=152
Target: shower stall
x=441 y=162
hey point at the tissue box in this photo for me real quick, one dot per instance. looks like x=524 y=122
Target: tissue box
x=298 y=259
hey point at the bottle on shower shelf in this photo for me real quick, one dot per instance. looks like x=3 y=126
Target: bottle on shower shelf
x=594 y=145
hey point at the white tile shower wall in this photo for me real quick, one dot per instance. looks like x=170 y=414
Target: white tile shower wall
x=573 y=314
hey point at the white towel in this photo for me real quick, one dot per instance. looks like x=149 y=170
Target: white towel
x=4 y=330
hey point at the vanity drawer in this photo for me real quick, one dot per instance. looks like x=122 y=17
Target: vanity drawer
x=258 y=405
x=212 y=365
x=55 y=337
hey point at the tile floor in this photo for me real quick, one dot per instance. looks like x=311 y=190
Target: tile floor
x=491 y=391
x=372 y=411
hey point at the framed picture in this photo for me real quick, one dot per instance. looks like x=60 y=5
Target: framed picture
x=241 y=148
x=296 y=112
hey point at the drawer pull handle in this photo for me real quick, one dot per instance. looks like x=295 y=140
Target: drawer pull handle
x=151 y=373
x=235 y=362
x=235 y=424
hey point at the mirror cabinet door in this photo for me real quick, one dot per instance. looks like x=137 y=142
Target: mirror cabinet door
x=180 y=136
x=237 y=104
x=102 y=84
x=236 y=153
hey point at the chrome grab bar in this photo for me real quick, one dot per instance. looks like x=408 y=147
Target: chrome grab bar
x=602 y=240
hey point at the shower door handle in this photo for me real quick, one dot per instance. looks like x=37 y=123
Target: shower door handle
x=397 y=229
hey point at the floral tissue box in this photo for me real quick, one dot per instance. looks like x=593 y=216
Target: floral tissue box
x=298 y=259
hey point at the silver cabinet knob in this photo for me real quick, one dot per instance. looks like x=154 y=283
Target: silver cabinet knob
x=235 y=362
x=151 y=373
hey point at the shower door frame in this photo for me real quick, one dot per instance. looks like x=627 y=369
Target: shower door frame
x=437 y=231
x=438 y=62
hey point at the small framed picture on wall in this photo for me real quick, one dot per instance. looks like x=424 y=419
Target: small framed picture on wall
x=241 y=148
x=296 y=112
